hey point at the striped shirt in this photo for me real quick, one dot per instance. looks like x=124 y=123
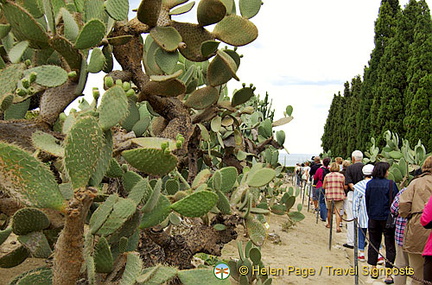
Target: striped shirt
x=359 y=203
x=400 y=222
x=334 y=186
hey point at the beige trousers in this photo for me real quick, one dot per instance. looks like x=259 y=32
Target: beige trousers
x=401 y=262
x=416 y=261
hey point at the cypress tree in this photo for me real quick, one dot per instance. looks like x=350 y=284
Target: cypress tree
x=352 y=104
x=418 y=105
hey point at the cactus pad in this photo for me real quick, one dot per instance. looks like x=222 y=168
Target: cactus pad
x=91 y=34
x=260 y=177
x=154 y=142
x=37 y=244
x=159 y=214
x=166 y=37
x=225 y=178
x=235 y=30
x=201 y=178
x=66 y=49
x=193 y=36
x=132 y=270
x=210 y=12
x=27 y=179
x=242 y=96
x=182 y=9
x=167 y=61
x=104 y=160
x=71 y=29
x=122 y=210
x=49 y=75
x=140 y=191
x=4 y=234
x=256 y=231
x=113 y=108
x=196 y=204
x=151 y=161
x=221 y=69
x=170 y=88
x=40 y=276
x=148 y=12
x=103 y=258
x=24 y=26
x=4 y=30
x=223 y=203
x=202 y=98
x=114 y=169
x=280 y=137
x=130 y=179
x=83 y=149
x=117 y=9
x=27 y=220
x=101 y=214
x=196 y=276
x=172 y=186
x=249 y=8
x=14 y=257
x=47 y=143
x=282 y=121
x=169 y=4
x=9 y=77
x=97 y=61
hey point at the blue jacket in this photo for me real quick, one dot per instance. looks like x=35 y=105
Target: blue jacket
x=377 y=198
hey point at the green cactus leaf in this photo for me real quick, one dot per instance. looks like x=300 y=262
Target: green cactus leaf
x=242 y=96
x=94 y=9
x=141 y=126
x=201 y=178
x=289 y=203
x=281 y=122
x=157 y=275
x=216 y=124
x=289 y=110
x=102 y=213
x=47 y=143
x=24 y=26
x=4 y=30
x=40 y=276
x=122 y=210
x=132 y=270
x=265 y=128
x=167 y=61
x=261 y=177
x=114 y=169
x=103 y=258
x=109 y=62
x=403 y=166
x=196 y=276
x=17 y=111
x=235 y=30
x=170 y=88
x=148 y=12
x=255 y=255
x=202 y=98
x=221 y=69
x=183 y=9
x=34 y=7
x=152 y=199
x=91 y=34
x=133 y=117
x=193 y=36
x=71 y=29
x=141 y=190
x=117 y=9
x=113 y=107
x=209 y=48
x=104 y=160
x=172 y=186
x=249 y=8
x=4 y=234
x=256 y=231
x=7 y=102
x=66 y=49
x=97 y=61
x=27 y=179
x=197 y=204
x=161 y=211
x=83 y=149
x=280 y=137
x=296 y=216
x=168 y=38
x=36 y=243
x=228 y=177
x=161 y=78
x=397 y=174
x=9 y=77
x=14 y=257
x=230 y=6
x=27 y=220
x=210 y=12
x=154 y=142
x=49 y=75
x=120 y=40
x=130 y=179
x=149 y=57
x=169 y=4
x=16 y=53
x=223 y=203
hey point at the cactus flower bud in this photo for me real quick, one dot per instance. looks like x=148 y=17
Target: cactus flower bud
x=21 y=92
x=25 y=83
x=130 y=93
x=32 y=77
x=126 y=86
x=119 y=82
x=96 y=93
x=109 y=81
x=62 y=116
x=72 y=74
x=27 y=62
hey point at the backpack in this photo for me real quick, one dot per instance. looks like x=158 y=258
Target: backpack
x=325 y=172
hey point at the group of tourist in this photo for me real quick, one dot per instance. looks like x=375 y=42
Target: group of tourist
x=364 y=195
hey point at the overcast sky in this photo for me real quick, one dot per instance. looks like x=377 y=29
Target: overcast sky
x=304 y=53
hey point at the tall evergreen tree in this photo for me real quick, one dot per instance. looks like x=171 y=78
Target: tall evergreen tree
x=419 y=73
x=352 y=105
x=331 y=139
x=384 y=31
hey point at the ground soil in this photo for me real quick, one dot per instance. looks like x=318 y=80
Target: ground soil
x=303 y=248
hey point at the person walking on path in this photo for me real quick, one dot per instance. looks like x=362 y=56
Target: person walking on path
x=334 y=193
x=353 y=175
x=314 y=167
x=401 y=260
x=426 y=221
x=411 y=204
x=319 y=175
x=380 y=192
x=359 y=208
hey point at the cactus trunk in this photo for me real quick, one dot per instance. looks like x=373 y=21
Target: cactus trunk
x=68 y=257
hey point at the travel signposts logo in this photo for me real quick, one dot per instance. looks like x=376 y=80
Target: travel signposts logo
x=221 y=271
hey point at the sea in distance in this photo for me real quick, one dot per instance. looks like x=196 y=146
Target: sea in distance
x=290 y=159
